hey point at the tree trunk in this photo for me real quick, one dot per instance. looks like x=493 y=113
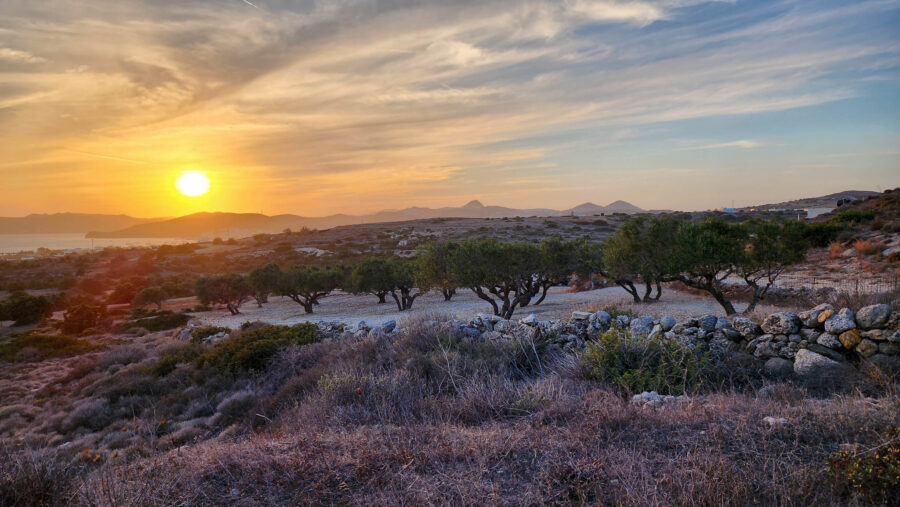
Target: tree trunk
x=232 y=308
x=480 y=293
x=448 y=293
x=648 y=288
x=382 y=297
x=658 y=291
x=308 y=305
x=397 y=300
x=630 y=288
x=544 y=290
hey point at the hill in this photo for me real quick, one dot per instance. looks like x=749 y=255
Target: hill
x=221 y=224
x=824 y=201
x=62 y=223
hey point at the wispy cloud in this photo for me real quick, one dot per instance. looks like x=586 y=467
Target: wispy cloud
x=341 y=93
x=743 y=143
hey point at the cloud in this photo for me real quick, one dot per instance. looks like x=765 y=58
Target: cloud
x=743 y=143
x=16 y=56
x=338 y=92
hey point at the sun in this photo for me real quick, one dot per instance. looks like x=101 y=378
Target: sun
x=192 y=183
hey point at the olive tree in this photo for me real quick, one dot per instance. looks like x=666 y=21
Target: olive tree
x=231 y=290
x=640 y=252
x=706 y=253
x=151 y=295
x=307 y=285
x=388 y=276
x=499 y=273
x=772 y=246
x=264 y=281
x=371 y=276
x=435 y=267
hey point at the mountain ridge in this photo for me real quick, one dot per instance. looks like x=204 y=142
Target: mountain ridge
x=203 y=224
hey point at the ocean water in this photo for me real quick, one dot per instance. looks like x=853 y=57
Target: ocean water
x=12 y=243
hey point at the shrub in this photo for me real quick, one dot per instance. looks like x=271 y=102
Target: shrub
x=615 y=311
x=25 y=309
x=865 y=247
x=39 y=347
x=820 y=235
x=30 y=477
x=635 y=364
x=835 y=250
x=200 y=333
x=174 y=356
x=83 y=316
x=850 y=216
x=873 y=475
x=251 y=349
x=160 y=322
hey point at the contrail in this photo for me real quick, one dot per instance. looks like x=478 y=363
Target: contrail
x=251 y=4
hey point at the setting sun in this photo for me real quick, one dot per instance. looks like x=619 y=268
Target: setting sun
x=192 y=183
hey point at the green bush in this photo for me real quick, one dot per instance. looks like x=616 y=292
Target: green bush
x=873 y=475
x=635 y=364
x=821 y=235
x=40 y=347
x=251 y=349
x=852 y=215
x=25 y=309
x=172 y=357
x=614 y=311
x=198 y=334
x=160 y=322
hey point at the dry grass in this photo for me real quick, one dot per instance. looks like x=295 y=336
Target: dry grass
x=865 y=246
x=835 y=250
x=423 y=417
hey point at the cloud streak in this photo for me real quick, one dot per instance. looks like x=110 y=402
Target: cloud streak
x=339 y=94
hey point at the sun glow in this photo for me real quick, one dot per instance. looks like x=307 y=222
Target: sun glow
x=192 y=183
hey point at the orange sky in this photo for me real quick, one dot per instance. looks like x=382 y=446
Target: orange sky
x=318 y=107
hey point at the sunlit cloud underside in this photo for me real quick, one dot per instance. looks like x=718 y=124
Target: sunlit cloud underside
x=354 y=106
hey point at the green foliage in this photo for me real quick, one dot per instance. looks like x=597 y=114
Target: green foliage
x=852 y=216
x=199 y=333
x=251 y=350
x=229 y=290
x=434 y=265
x=264 y=281
x=25 y=309
x=83 y=316
x=821 y=235
x=635 y=363
x=305 y=285
x=172 y=357
x=616 y=311
x=160 y=322
x=873 y=475
x=36 y=347
x=150 y=295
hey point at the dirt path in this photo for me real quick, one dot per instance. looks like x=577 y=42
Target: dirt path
x=559 y=304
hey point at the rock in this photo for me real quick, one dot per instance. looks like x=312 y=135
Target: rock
x=183 y=335
x=362 y=325
x=781 y=323
x=889 y=348
x=874 y=316
x=502 y=326
x=840 y=322
x=812 y=366
x=732 y=334
x=580 y=315
x=795 y=338
x=530 y=320
x=667 y=323
x=825 y=315
x=657 y=329
x=866 y=347
x=641 y=326
x=654 y=399
x=809 y=318
x=748 y=329
x=623 y=321
x=894 y=337
x=825 y=351
x=850 y=339
x=775 y=422
x=722 y=323
x=778 y=367
x=765 y=350
x=876 y=335
x=829 y=340
x=389 y=326
x=708 y=322
x=603 y=318
x=887 y=252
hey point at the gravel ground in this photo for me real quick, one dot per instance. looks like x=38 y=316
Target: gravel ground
x=559 y=304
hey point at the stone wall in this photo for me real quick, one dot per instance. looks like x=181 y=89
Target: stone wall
x=816 y=342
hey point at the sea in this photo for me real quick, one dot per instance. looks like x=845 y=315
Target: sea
x=15 y=243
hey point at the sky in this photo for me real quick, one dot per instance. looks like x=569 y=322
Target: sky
x=353 y=106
